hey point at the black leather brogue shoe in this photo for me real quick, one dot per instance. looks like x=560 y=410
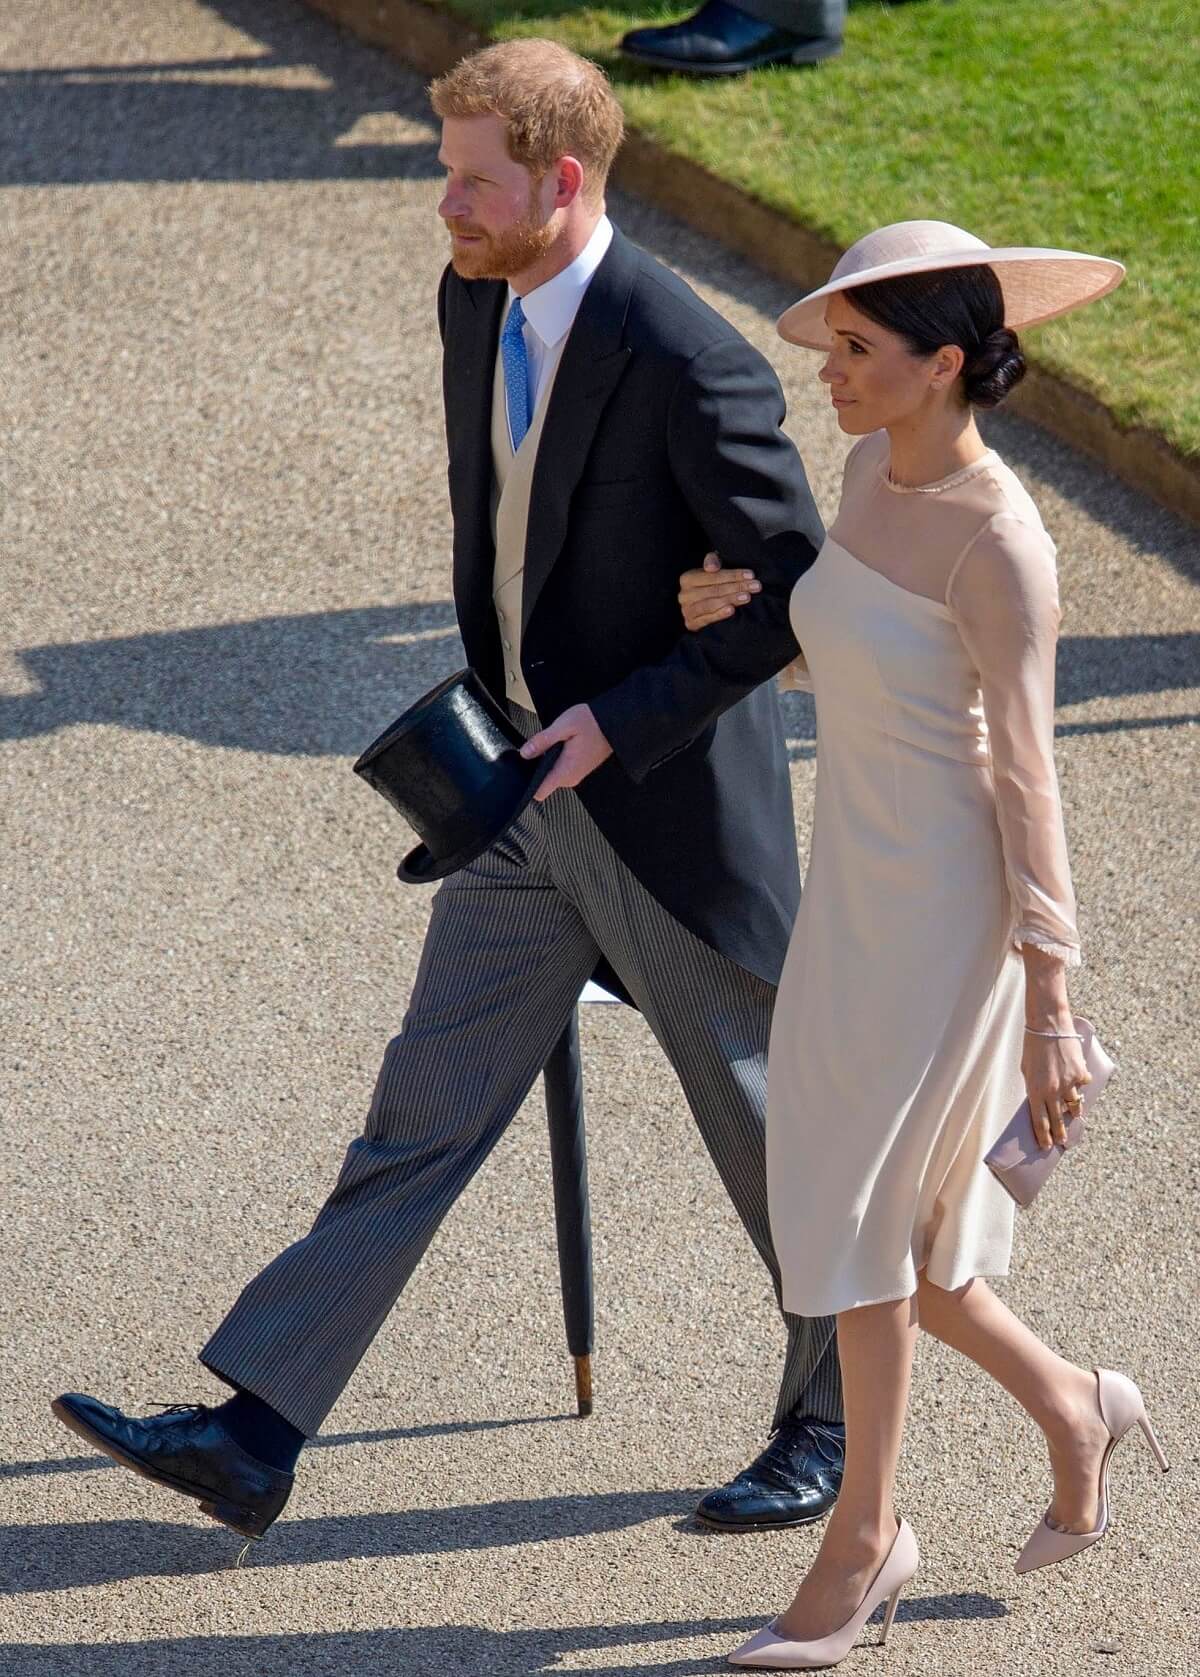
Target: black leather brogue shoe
x=795 y=1481
x=722 y=40
x=189 y=1451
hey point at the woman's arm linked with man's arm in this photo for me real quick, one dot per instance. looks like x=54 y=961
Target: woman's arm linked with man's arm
x=746 y=487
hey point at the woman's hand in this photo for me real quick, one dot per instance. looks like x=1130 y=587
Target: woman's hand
x=1054 y=1070
x=1052 y=1065
x=709 y=595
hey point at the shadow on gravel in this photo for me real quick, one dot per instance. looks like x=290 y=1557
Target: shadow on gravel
x=312 y=686
x=63 y=1556
x=231 y=118
x=1147 y=527
x=326 y=683
x=453 y=1650
x=449 y=1649
x=327 y=1441
x=1126 y=666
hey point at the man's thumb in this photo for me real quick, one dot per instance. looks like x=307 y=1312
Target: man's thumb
x=542 y=742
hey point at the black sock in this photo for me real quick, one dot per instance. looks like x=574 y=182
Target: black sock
x=261 y=1431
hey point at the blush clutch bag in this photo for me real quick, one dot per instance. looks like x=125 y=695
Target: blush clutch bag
x=1016 y=1161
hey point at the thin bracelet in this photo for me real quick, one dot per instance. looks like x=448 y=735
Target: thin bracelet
x=1058 y=1036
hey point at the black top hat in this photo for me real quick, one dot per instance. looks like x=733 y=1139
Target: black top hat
x=452 y=766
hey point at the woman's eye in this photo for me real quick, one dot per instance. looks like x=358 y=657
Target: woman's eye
x=856 y=349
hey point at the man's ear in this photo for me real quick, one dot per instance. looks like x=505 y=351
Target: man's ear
x=568 y=181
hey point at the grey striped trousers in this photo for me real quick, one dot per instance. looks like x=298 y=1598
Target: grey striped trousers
x=511 y=941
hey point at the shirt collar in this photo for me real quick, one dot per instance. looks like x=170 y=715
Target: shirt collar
x=552 y=308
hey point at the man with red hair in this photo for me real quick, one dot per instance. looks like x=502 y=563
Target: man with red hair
x=606 y=428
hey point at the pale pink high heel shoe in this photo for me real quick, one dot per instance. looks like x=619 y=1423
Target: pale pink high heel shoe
x=1121 y=1407
x=768 y=1651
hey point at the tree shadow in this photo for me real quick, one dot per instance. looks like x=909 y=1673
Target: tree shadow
x=450 y=1650
x=325 y=683
x=1138 y=520
x=325 y=1441
x=1125 y=666
x=232 y=118
x=321 y=684
x=62 y=1555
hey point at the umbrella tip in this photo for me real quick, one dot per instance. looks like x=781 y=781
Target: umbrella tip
x=583 y=1386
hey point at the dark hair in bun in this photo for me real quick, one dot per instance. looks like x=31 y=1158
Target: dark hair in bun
x=963 y=306
x=996 y=366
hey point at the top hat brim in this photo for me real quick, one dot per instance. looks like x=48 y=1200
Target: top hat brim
x=422 y=867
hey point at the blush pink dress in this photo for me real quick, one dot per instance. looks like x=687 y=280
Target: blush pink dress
x=928 y=627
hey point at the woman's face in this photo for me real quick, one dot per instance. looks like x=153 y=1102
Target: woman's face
x=874 y=378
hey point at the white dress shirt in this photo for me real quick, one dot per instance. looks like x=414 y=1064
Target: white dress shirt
x=550 y=310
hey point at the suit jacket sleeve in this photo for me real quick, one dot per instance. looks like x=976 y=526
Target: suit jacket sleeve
x=745 y=484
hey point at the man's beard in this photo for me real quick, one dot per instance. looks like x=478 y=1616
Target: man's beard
x=501 y=255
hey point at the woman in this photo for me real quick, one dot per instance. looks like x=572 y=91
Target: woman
x=925 y=990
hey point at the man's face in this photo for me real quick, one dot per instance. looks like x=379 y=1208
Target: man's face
x=492 y=206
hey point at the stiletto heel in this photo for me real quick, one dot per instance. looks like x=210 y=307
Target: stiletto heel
x=888 y=1617
x=1152 y=1441
x=1121 y=1407
x=768 y=1651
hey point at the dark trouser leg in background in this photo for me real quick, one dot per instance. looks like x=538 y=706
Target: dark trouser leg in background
x=713 y=1020
x=801 y=17
x=729 y=37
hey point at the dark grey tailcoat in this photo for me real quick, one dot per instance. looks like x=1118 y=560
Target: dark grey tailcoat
x=662 y=441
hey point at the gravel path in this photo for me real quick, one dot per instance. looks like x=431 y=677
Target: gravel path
x=225 y=565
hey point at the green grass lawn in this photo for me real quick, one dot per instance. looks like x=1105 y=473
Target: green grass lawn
x=1057 y=122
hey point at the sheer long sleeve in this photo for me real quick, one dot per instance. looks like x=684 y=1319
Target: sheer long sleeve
x=1004 y=596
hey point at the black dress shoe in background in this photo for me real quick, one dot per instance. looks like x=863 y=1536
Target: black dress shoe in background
x=794 y=1481
x=188 y=1451
x=722 y=40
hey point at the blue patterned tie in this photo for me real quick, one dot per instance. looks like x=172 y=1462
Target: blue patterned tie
x=516 y=374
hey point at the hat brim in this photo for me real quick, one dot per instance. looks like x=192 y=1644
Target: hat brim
x=1038 y=285
x=422 y=867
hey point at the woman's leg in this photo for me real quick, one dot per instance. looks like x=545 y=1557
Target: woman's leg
x=1059 y=1396
x=875 y=1347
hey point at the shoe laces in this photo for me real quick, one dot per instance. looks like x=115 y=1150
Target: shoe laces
x=781 y=1450
x=179 y=1408
x=826 y=1432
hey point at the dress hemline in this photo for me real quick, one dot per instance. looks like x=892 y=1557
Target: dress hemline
x=807 y=1310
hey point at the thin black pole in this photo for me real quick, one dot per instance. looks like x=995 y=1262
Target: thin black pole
x=572 y=1214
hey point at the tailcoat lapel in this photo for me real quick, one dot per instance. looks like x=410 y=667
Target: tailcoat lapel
x=469 y=373
x=593 y=360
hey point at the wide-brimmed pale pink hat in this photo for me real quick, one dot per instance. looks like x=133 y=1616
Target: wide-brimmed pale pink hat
x=1037 y=284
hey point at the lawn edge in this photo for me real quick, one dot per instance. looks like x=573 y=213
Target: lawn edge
x=430 y=39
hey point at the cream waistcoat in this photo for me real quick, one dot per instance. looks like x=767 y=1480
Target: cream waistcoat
x=511 y=485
